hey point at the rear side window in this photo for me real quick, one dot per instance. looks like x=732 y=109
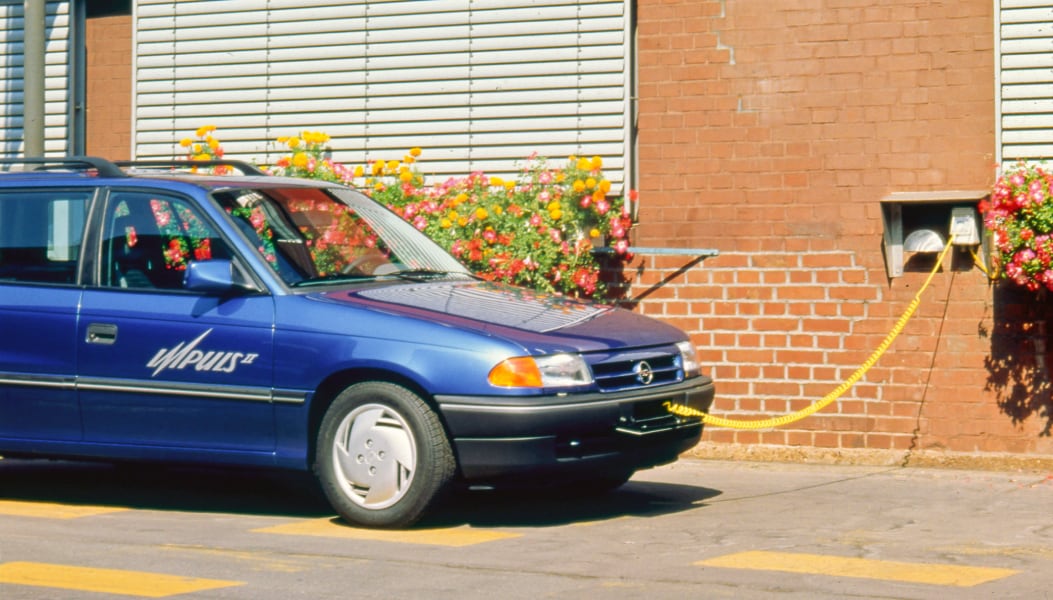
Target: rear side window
x=41 y=234
x=150 y=239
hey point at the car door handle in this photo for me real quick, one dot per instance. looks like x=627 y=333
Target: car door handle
x=102 y=333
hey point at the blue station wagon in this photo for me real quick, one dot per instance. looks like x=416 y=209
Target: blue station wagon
x=148 y=313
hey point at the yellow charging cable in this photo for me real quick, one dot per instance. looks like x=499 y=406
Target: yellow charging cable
x=687 y=411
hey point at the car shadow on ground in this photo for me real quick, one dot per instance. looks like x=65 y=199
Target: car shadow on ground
x=291 y=494
x=149 y=487
x=555 y=507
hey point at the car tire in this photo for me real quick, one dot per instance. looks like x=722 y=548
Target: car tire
x=382 y=456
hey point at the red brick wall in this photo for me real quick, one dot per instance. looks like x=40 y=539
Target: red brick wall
x=109 y=87
x=771 y=131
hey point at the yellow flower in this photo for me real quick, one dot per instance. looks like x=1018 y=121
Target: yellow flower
x=460 y=199
x=480 y=213
x=445 y=224
x=185 y=142
x=299 y=160
x=495 y=180
x=202 y=156
x=196 y=149
x=453 y=216
x=213 y=143
x=205 y=130
x=598 y=195
x=498 y=210
x=579 y=186
x=314 y=137
x=293 y=142
x=590 y=183
x=584 y=164
x=359 y=171
x=462 y=221
x=405 y=177
x=597 y=163
x=414 y=152
x=594 y=232
x=554 y=205
x=555 y=214
x=377 y=167
x=409 y=160
x=379 y=186
x=392 y=165
x=509 y=185
x=605 y=186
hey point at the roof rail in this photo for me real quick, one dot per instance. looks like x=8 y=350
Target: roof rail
x=240 y=165
x=84 y=164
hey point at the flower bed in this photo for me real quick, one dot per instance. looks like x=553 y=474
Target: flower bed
x=538 y=230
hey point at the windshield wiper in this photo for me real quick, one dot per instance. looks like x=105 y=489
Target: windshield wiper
x=332 y=279
x=425 y=274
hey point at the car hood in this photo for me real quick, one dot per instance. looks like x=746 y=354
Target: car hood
x=543 y=322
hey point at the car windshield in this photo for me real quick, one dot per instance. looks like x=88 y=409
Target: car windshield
x=318 y=236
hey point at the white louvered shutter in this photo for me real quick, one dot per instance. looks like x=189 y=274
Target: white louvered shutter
x=56 y=82
x=1025 y=102
x=478 y=84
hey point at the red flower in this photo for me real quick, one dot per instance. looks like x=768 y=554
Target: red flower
x=203 y=251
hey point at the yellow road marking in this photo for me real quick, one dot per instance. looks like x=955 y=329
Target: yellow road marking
x=448 y=536
x=107 y=581
x=46 y=510
x=818 y=564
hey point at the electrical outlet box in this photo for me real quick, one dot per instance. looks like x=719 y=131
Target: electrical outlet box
x=964 y=227
x=928 y=215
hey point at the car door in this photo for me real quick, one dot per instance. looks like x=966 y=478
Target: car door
x=40 y=239
x=163 y=369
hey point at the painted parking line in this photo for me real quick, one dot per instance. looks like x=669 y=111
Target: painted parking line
x=47 y=510
x=106 y=581
x=447 y=536
x=839 y=566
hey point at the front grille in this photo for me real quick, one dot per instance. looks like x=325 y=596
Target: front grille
x=637 y=369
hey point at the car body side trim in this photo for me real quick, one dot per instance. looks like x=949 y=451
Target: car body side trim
x=48 y=381
x=168 y=388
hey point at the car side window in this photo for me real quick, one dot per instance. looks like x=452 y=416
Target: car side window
x=41 y=234
x=149 y=239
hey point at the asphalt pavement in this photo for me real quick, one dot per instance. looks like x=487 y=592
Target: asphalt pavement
x=694 y=529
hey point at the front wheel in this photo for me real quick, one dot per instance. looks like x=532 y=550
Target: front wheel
x=382 y=455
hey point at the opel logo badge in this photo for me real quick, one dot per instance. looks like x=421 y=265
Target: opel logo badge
x=643 y=371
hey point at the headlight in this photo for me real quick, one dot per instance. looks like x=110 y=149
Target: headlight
x=555 y=370
x=689 y=359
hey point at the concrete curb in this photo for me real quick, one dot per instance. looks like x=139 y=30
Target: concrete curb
x=867 y=457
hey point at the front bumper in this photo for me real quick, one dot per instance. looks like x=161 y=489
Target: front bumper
x=501 y=437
